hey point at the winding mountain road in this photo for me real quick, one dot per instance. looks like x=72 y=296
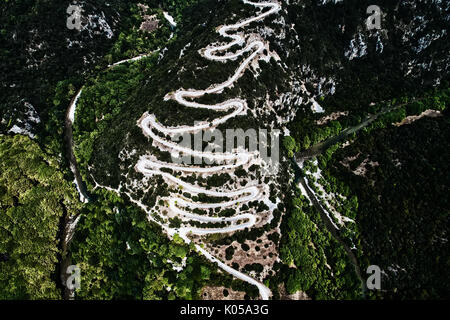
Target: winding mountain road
x=149 y=166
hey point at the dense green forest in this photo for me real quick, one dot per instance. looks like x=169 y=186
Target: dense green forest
x=34 y=197
x=313 y=261
x=396 y=174
x=403 y=204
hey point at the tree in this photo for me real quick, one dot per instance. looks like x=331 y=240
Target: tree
x=306 y=142
x=289 y=145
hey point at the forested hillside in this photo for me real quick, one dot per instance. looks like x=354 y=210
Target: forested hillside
x=362 y=177
x=399 y=175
